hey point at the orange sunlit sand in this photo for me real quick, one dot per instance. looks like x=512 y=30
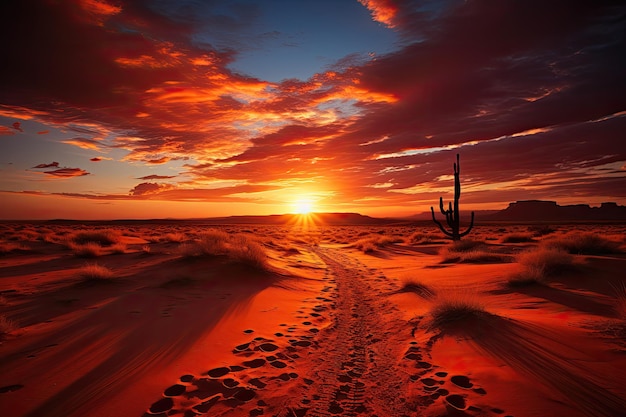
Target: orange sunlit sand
x=308 y=319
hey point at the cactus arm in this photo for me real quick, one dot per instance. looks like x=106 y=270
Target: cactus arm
x=438 y=223
x=469 y=229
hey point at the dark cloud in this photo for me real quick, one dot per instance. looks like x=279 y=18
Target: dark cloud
x=67 y=172
x=156 y=177
x=50 y=165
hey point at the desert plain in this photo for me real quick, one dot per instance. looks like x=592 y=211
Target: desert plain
x=303 y=319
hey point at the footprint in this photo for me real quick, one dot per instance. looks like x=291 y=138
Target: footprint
x=186 y=378
x=164 y=404
x=205 y=406
x=456 y=401
x=278 y=364
x=248 y=331
x=218 y=372
x=245 y=395
x=174 y=390
x=461 y=381
x=268 y=347
x=254 y=363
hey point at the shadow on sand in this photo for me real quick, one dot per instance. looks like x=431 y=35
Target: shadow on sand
x=543 y=356
x=124 y=336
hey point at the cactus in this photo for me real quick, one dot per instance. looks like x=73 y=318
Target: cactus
x=452 y=213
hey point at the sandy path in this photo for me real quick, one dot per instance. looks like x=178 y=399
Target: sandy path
x=355 y=369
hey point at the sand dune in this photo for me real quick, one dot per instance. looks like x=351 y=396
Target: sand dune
x=317 y=327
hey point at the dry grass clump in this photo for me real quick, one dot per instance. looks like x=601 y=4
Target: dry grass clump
x=371 y=243
x=176 y=237
x=586 y=243
x=540 y=264
x=420 y=238
x=517 y=238
x=454 y=306
x=104 y=237
x=470 y=251
x=118 y=248
x=95 y=272
x=620 y=301
x=412 y=284
x=6 y=326
x=10 y=247
x=86 y=250
x=238 y=247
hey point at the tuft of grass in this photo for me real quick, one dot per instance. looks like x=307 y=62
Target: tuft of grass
x=175 y=237
x=371 y=243
x=620 y=301
x=105 y=237
x=412 y=284
x=246 y=251
x=6 y=326
x=240 y=248
x=87 y=250
x=419 y=238
x=551 y=261
x=585 y=244
x=9 y=247
x=517 y=238
x=529 y=275
x=540 y=264
x=118 y=248
x=95 y=272
x=455 y=306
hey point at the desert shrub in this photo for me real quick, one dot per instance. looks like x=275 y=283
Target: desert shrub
x=470 y=251
x=620 y=301
x=529 y=275
x=585 y=243
x=175 y=237
x=238 y=247
x=370 y=244
x=540 y=264
x=10 y=247
x=455 y=306
x=419 y=238
x=94 y=272
x=411 y=284
x=118 y=248
x=517 y=238
x=6 y=326
x=550 y=261
x=86 y=250
x=245 y=250
x=541 y=230
x=104 y=237
x=465 y=245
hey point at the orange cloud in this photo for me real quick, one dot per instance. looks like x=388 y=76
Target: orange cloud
x=383 y=11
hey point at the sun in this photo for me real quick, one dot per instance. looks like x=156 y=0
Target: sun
x=303 y=206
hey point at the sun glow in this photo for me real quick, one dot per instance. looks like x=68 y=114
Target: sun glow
x=303 y=206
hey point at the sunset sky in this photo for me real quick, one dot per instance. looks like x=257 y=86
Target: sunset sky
x=198 y=108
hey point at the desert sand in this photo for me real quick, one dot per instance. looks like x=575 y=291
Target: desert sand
x=311 y=320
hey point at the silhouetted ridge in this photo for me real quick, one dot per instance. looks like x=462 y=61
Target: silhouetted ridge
x=539 y=210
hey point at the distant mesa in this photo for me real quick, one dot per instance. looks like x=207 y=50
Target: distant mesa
x=539 y=210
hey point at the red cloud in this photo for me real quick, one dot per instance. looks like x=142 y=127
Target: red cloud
x=95 y=159
x=17 y=126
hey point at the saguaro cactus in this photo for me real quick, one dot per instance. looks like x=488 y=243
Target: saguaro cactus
x=452 y=213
